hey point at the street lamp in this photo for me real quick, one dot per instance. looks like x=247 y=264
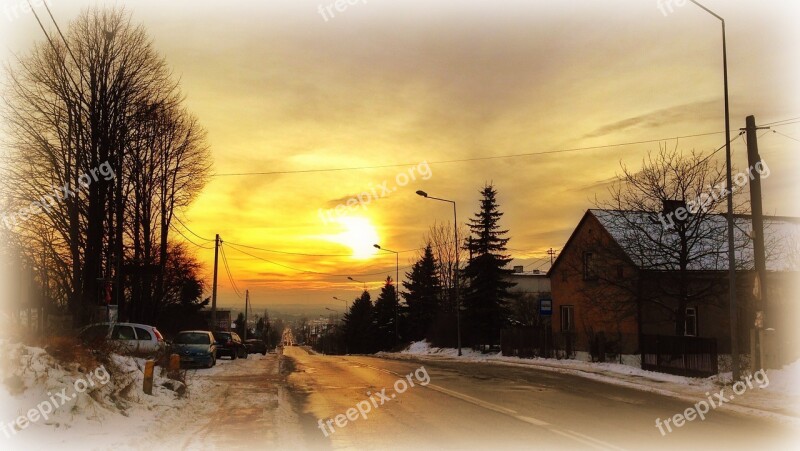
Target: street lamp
x=396 y=289
x=343 y=300
x=455 y=273
x=728 y=179
x=358 y=281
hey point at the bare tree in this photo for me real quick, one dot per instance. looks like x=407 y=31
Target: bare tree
x=100 y=142
x=441 y=239
x=664 y=220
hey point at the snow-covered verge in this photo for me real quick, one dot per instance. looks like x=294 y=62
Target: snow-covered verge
x=777 y=396
x=47 y=403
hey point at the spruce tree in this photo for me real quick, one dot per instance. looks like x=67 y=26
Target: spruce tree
x=385 y=315
x=422 y=287
x=359 y=327
x=487 y=296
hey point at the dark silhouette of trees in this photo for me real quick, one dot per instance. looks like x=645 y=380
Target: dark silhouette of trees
x=422 y=295
x=103 y=150
x=359 y=326
x=487 y=296
x=386 y=313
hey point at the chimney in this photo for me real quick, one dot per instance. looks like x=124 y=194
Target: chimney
x=669 y=206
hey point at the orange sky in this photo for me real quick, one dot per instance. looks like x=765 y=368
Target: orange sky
x=279 y=88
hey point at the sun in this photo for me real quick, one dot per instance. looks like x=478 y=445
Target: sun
x=359 y=235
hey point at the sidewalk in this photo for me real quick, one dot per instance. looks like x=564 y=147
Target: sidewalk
x=777 y=397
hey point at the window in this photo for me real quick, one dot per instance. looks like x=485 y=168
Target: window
x=142 y=334
x=123 y=333
x=94 y=333
x=588 y=266
x=691 y=322
x=567 y=318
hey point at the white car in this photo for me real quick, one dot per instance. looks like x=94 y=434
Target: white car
x=129 y=337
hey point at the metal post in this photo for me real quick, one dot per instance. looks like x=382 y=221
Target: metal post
x=734 y=316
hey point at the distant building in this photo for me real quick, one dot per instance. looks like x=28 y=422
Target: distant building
x=224 y=320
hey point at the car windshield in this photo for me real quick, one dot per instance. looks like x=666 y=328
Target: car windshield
x=222 y=336
x=192 y=338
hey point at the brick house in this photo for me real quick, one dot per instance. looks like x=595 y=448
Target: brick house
x=609 y=288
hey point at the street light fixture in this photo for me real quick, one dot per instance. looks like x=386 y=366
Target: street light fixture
x=358 y=281
x=457 y=268
x=396 y=289
x=731 y=256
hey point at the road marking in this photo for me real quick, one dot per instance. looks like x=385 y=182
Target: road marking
x=577 y=436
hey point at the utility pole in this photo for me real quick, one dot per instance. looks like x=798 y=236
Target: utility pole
x=551 y=253
x=757 y=215
x=214 y=286
x=246 y=301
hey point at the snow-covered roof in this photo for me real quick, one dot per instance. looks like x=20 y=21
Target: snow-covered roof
x=644 y=238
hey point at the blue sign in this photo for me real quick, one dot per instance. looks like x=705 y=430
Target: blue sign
x=545 y=306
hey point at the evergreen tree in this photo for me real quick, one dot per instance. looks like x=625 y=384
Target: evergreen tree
x=359 y=326
x=385 y=316
x=422 y=287
x=487 y=296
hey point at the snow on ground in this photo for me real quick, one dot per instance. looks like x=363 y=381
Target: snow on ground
x=777 y=396
x=113 y=413
x=46 y=403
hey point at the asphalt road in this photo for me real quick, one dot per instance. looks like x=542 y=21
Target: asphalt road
x=467 y=405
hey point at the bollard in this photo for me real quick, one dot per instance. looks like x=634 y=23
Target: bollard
x=174 y=362
x=148 y=377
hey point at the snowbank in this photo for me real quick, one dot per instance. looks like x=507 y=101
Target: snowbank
x=779 y=399
x=47 y=403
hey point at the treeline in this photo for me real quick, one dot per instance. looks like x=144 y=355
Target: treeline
x=102 y=156
x=427 y=304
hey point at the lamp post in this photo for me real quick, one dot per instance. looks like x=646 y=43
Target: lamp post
x=343 y=300
x=358 y=281
x=728 y=179
x=457 y=268
x=396 y=289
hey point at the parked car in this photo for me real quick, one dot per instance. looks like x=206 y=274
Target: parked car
x=126 y=337
x=255 y=346
x=230 y=344
x=195 y=347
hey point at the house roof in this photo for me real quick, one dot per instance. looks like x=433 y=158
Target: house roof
x=636 y=233
x=629 y=229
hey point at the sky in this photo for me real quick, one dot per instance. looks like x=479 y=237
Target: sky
x=389 y=93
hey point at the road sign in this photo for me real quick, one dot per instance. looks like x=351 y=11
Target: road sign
x=545 y=306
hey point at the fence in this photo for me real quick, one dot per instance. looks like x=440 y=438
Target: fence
x=526 y=341
x=683 y=356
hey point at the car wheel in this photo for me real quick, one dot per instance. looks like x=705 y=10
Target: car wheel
x=264 y=352
x=244 y=353
x=233 y=354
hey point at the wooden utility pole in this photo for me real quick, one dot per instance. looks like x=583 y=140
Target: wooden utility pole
x=759 y=253
x=246 y=300
x=214 y=286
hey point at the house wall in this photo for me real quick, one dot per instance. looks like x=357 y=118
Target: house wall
x=593 y=300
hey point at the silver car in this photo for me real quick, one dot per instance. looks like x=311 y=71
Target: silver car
x=127 y=337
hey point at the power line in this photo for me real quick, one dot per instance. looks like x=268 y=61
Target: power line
x=228 y=270
x=187 y=238
x=777 y=123
x=786 y=136
x=190 y=230
x=462 y=160
x=305 y=271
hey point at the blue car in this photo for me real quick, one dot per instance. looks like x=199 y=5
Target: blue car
x=195 y=348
